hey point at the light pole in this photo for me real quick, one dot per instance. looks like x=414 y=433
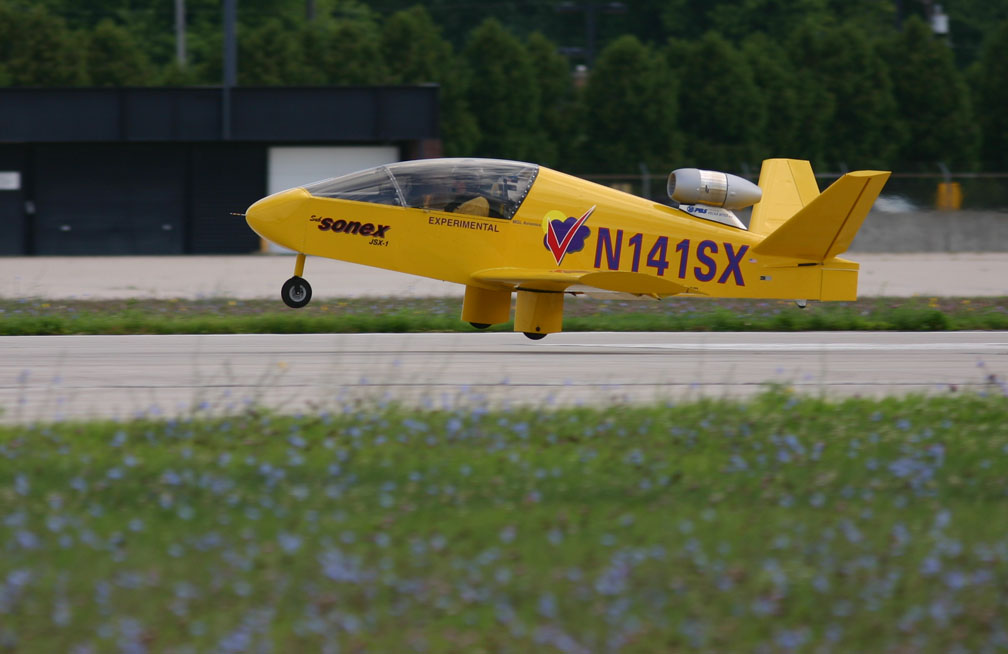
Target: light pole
x=180 y=41
x=230 y=65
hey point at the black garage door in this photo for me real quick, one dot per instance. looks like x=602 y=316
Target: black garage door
x=109 y=199
x=142 y=198
x=224 y=180
x=12 y=200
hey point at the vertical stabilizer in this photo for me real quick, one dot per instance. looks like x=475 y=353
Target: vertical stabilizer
x=788 y=185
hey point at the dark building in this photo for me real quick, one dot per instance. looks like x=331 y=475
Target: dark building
x=159 y=170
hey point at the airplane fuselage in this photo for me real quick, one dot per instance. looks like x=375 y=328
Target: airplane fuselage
x=624 y=233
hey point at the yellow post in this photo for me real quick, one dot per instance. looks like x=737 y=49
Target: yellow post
x=299 y=265
x=949 y=196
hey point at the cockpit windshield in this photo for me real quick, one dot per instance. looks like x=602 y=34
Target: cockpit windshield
x=479 y=187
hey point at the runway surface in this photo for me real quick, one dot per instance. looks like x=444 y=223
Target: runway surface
x=256 y=276
x=59 y=377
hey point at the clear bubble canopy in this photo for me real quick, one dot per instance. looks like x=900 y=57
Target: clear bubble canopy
x=493 y=188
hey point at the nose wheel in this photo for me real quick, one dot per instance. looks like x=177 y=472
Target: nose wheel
x=296 y=292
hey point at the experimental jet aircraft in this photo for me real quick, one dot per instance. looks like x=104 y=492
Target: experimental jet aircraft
x=503 y=227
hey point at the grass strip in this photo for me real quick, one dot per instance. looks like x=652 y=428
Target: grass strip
x=782 y=523
x=224 y=316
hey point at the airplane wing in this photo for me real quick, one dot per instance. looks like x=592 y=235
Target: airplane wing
x=578 y=281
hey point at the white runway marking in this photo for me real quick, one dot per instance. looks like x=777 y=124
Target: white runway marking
x=61 y=377
x=808 y=347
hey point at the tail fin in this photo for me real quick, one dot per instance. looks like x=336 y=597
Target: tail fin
x=824 y=227
x=788 y=185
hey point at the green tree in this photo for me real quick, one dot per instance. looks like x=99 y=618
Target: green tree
x=630 y=110
x=114 y=58
x=971 y=24
x=37 y=48
x=460 y=134
x=414 y=50
x=416 y=53
x=343 y=51
x=518 y=17
x=795 y=104
x=991 y=92
x=685 y=19
x=270 y=55
x=557 y=101
x=204 y=58
x=863 y=128
x=872 y=16
x=721 y=109
x=932 y=99
x=500 y=93
x=737 y=19
x=173 y=74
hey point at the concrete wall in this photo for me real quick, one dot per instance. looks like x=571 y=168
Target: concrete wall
x=933 y=231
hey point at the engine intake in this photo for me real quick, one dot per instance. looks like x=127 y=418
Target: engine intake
x=695 y=186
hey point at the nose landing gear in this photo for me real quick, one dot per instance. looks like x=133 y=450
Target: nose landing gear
x=296 y=291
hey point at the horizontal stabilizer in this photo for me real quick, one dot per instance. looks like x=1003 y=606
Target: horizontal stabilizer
x=825 y=227
x=561 y=280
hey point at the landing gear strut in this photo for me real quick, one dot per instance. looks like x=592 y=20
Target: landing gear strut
x=296 y=291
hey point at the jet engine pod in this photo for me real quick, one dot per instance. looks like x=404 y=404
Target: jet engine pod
x=695 y=186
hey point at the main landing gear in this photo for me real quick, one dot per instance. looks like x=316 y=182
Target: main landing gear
x=296 y=291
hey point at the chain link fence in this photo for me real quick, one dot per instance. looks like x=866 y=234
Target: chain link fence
x=904 y=192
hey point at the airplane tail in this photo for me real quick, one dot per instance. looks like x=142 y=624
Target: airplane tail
x=798 y=221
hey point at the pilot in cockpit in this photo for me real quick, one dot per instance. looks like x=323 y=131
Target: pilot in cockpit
x=467 y=198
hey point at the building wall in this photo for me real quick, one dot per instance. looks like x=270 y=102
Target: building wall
x=164 y=170
x=135 y=198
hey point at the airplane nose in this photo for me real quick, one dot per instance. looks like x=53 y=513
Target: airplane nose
x=276 y=218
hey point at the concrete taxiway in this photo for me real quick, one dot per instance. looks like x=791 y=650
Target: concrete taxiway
x=260 y=276
x=60 y=377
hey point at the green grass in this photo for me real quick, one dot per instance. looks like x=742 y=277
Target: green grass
x=778 y=524
x=223 y=316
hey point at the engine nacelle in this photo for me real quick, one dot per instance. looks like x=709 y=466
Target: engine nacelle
x=695 y=186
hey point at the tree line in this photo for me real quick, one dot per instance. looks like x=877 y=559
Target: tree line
x=843 y=84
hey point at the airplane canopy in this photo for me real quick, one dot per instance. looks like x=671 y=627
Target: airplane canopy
x=489 y=187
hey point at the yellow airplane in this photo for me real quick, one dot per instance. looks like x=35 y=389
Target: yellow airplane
x=501 y=227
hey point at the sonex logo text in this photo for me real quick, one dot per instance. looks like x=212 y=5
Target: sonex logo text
x=352 y=227
x=710 y=257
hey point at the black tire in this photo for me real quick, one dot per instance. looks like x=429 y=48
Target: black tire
x=296 y=292
x=534 y=336
x=480 y=325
